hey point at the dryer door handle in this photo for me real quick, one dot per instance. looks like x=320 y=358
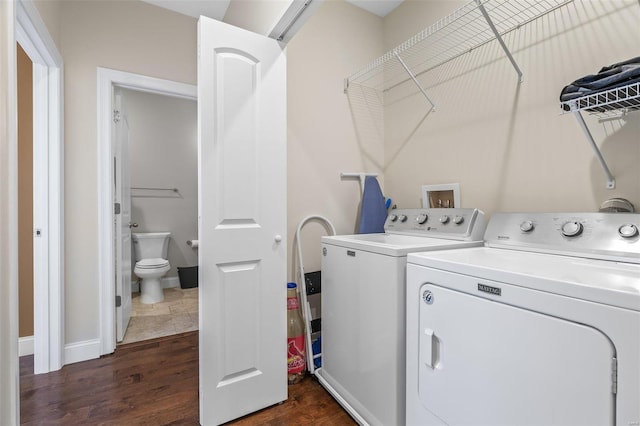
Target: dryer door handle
x=427 y=347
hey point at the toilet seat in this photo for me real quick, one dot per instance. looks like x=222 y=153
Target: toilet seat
x=152 y=263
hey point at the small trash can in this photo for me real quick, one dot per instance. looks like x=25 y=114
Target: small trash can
x=188 y=276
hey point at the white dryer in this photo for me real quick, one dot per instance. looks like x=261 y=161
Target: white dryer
x=539 y=327
x=363 y=306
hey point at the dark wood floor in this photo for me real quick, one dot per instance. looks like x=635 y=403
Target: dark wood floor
x=153 y=382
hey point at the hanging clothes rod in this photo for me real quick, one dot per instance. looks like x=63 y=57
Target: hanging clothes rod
x=154 y=189
x=292 y=18
x=361 y=176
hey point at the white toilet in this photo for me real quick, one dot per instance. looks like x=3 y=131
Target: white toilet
x=150 y=251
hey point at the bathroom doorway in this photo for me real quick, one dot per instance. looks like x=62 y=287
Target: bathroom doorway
x=162 y=173
x=152 y=201
x=25 y=203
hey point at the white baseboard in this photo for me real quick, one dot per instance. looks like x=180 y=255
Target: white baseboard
x=25 y=346
x=167 y=282
x=170 y=282
x=73 y=352
x=81 y=351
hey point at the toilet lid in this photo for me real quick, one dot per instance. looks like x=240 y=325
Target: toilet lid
x=152 y=263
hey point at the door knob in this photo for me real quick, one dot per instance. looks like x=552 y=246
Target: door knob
x=278 y=238
x=133 y=225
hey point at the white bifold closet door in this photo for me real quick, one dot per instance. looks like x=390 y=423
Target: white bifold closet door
x=242 y=221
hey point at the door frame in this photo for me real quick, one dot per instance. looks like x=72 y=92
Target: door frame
x=48 y=191
x=10 y=375
x=107 y=80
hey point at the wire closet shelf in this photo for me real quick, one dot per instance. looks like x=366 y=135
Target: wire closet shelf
x=473 y=25
x=609 y=104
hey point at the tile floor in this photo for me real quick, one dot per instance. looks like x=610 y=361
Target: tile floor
x=177 y=313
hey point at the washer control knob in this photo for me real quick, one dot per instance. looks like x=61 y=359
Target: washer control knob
x=458 y=220
x=422 y=218
x=393 y=217
x=628 y=231
x=526 y=226
x=444 y=219
x=572 y=229
x=403 y=218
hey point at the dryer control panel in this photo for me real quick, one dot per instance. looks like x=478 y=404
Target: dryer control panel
x=609 y=236
x=455 y=223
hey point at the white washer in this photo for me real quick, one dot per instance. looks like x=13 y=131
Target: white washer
x=363 y=306
x=539 y=327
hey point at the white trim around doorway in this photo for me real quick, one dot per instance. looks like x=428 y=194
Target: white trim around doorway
x=48 y=220
x=107 y=80
x=10 y=376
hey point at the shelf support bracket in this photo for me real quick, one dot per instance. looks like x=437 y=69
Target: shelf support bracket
x=499 y=38
x=415 y=80
x=611 y=181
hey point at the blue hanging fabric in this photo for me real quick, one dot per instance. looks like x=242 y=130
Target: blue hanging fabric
x=373 y=211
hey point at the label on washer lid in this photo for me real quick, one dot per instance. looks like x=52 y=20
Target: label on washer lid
x=497 y=291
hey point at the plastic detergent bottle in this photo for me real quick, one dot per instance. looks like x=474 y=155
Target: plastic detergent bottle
x=295 y=337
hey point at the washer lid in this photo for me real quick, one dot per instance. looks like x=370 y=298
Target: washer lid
x=152 y=263
x=600 y=281
x=395 y=244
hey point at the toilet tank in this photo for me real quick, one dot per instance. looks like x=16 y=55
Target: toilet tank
x=150 y=245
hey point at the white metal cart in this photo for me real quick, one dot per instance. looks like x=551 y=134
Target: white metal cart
x=311 y=325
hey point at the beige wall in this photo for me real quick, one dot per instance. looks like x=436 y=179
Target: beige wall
x=25 y=193
x=140 y=38
x=322 y=137
x=128 y=36
x=163 y=153
x=507 y=144
x=49 y=11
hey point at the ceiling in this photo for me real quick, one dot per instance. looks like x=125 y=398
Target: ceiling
x=213 y=8
x=379 y=7
x=216 y=9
